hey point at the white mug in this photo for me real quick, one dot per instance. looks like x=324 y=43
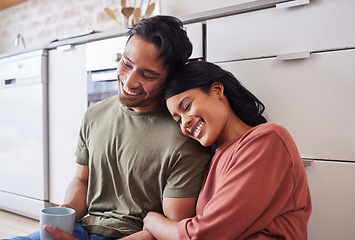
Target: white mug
x=60 y=217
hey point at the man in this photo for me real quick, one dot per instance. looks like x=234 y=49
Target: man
x=131 y=156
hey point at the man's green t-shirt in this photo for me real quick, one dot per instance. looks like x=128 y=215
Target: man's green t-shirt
x=135 y=160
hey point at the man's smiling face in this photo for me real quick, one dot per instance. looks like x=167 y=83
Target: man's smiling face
x=141 y=76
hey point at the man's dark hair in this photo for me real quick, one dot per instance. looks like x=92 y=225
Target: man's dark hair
x=167 y=33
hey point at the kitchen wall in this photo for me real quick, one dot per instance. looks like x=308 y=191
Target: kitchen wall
x=42 y=21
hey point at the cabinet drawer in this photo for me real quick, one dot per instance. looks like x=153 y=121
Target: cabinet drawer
x=332 y=191
x=319 y=25
x=313 y=98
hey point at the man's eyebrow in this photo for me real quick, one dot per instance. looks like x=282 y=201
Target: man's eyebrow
x=125 y=56
x=144 y=69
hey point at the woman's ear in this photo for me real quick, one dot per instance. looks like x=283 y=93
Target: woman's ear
x=217 y=88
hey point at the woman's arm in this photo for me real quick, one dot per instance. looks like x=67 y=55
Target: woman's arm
x=161 y=227
x=175 y=209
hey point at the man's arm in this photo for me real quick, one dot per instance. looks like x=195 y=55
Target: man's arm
x=61 y=235
x=75 y=196
x=179 y=208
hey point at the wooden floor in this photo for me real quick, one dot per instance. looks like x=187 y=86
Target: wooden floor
x=12 y=225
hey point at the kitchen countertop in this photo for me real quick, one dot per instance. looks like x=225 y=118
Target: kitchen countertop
x=202 y=16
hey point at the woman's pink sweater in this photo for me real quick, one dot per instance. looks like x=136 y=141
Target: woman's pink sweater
x=255 y=188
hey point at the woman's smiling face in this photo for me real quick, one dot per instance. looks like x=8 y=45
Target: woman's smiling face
x=202 y=116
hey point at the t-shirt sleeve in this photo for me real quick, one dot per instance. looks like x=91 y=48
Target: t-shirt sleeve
x=81 y=153
x=188 y=165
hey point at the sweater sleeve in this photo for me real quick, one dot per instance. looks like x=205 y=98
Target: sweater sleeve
x=255 y=187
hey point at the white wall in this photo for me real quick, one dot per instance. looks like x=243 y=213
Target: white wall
x=41 y=21
x=185 y=7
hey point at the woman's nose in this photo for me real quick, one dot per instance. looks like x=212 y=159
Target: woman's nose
x=186 y=123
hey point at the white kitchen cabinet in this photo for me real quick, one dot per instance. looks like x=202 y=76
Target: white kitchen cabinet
x=317 y=26
x=299 y=62
x=23 y=133
x=195 y=32
x=109 y=48
x=67 y=94
x=313 y=98
x=332 y=190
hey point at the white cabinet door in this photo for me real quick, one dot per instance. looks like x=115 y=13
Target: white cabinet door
x=22 y=143
x=333 y=197
x=314 y=98
x=319 y=25
x=195 y=34
x=106 y=50
x=67 y=104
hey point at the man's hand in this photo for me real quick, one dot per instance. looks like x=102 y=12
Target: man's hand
x=58 y=234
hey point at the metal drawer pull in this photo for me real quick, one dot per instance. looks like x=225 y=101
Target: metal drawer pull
x=292 y=3
x=65 y=47
x=307 y=162
x=293 y=56
x=11 y=81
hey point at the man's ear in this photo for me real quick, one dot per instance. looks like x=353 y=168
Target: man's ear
x=218 y=89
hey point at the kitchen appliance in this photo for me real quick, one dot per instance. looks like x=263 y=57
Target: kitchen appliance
x=23 y=133
x=101 y=63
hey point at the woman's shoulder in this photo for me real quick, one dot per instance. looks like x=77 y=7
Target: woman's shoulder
x=270 y=133
x=266 y=133
x=268 y=128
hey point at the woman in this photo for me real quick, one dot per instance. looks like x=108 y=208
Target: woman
x=256 y=185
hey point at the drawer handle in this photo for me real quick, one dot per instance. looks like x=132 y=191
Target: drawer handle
x=293 y=56
x=292 y=3
x=65 y=47
x=307 y=162
x=11 y=81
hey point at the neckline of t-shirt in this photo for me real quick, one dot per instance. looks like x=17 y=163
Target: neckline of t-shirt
x=154 y=112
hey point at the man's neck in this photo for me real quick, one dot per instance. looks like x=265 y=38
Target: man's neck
x=144 y=109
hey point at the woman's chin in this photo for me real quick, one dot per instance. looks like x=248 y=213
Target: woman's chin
x=204 y=143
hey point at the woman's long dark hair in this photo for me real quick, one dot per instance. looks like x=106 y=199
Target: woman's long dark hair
x=201 y=74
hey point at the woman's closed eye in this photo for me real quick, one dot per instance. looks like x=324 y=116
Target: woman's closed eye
x=187 y=106
x=178 y=120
